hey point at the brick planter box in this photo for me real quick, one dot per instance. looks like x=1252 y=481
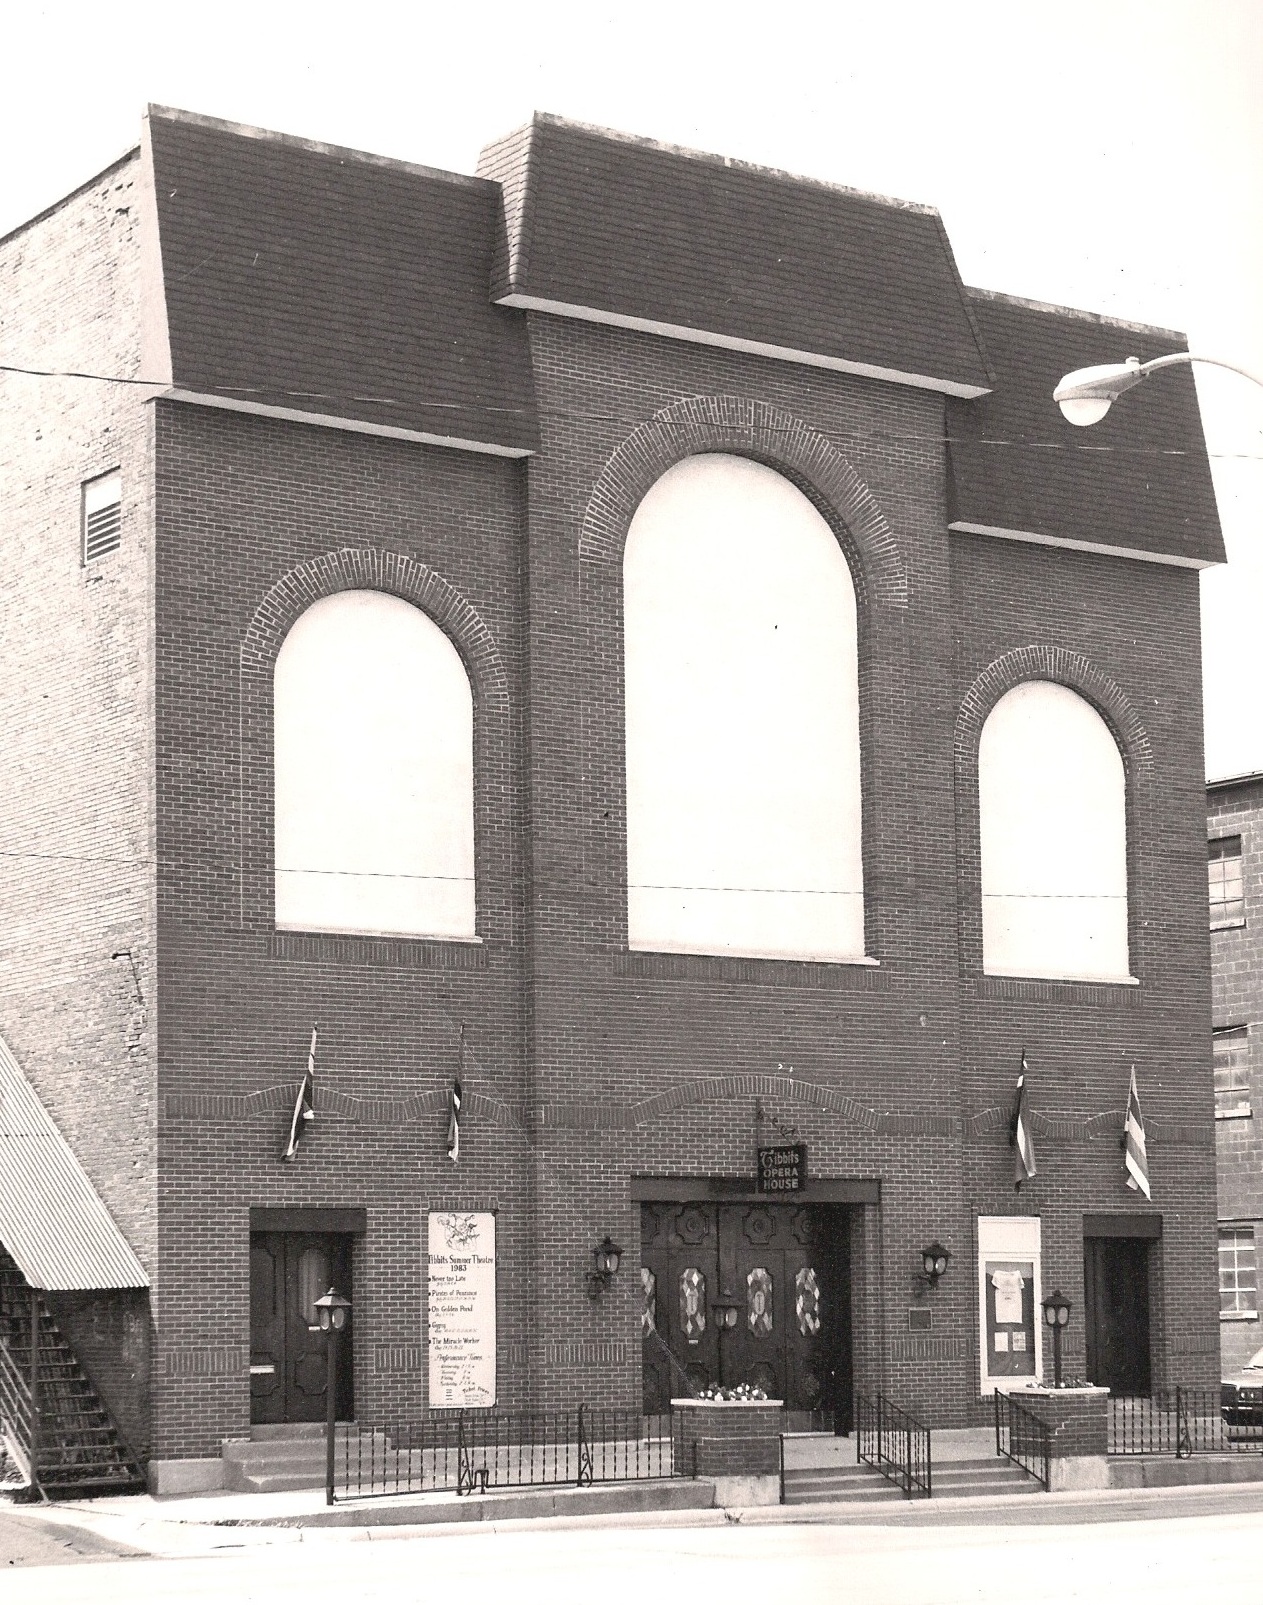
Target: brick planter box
x=737 y=1443
x=1078 y=1420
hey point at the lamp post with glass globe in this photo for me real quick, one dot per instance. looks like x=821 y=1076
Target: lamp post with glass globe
x=332 y=1310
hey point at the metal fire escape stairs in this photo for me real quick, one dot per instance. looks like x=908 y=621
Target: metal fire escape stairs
x=53 y=1424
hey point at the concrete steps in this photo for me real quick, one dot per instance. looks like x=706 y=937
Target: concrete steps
x=281 y=1459
x=820 y=1484
x=952 y=1479
x=964 y=1479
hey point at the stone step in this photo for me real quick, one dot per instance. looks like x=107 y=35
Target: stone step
x=817 y=1485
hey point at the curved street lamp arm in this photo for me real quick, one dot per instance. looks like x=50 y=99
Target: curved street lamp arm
x=1191 y=356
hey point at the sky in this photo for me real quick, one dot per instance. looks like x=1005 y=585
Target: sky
x=1106 y=155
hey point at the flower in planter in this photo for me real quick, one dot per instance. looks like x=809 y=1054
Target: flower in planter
x=743 y=1393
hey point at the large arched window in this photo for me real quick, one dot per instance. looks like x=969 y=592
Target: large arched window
x=1053 y=815
x=374 y=773
x=743 y=750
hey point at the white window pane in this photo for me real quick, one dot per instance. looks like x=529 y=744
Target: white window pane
x=1052 y=815
x=743 y=774
x=374 y=773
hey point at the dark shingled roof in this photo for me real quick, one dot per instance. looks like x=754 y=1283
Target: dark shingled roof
x=626 y=229
x=329 y=282
x=1137 y=481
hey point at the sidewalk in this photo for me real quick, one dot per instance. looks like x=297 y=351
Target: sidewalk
x=211 y=1523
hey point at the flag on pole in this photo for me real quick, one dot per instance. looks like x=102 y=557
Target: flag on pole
x=1020 y=1134
x=1135 y=1156
x=304 y=1107
x=453 y=1110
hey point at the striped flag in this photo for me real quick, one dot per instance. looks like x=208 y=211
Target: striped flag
x=453 y=1110
x=304 y=1106
x=1135 y=1156
x=1020 y=1134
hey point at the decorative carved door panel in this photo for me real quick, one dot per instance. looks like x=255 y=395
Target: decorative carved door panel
x=786 y=1267
x=288 y=1365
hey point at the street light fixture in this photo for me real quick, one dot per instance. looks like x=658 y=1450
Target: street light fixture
x=1087 y=394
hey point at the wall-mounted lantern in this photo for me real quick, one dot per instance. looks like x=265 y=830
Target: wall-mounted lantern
x=606 y=1257
x=934 y=1260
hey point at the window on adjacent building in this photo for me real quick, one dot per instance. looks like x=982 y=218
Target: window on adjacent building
x=1053 y=819
x=1227 y=888
x=374 y=773
x=743 y=747
x=1238 y=1276
x=102 y=502
x=1232 y=1072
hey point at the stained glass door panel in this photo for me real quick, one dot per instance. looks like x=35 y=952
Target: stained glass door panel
x=679 y=1262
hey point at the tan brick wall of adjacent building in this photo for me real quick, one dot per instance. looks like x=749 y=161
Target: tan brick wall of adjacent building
x=76 y=694
x=1237 y=810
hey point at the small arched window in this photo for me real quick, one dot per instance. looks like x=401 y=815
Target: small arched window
x=374 y=773
x=743 y=750
x=1053 y=816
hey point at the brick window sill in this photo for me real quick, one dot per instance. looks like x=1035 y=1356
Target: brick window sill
x=1238 y=1315
x=388 y=952
x=1235 y=1114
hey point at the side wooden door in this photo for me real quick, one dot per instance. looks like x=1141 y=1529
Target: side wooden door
x=289 y=1271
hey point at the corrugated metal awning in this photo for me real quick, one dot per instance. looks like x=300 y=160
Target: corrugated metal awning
x=52 y=1222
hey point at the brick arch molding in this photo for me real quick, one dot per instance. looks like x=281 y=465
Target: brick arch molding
x=369 y=569
x=769 y=435
x=1079 y=674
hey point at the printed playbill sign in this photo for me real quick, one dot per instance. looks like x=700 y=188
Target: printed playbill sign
x=462 y=1309
x=783 y=1169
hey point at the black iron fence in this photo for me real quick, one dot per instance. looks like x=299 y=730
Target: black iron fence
x=1183 y=1422
x=1020 y=1436
x=894 y=1443
x=476 y=1452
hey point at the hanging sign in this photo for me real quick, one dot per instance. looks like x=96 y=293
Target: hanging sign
x=783 y=1169
x=462 y=1310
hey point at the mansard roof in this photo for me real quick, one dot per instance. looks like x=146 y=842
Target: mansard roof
x=340 y=287
x=1138 y=482
x=312 y=280
x=623 y=230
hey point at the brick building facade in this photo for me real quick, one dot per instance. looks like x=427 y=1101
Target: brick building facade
x=1235 y=834
x=332 y=374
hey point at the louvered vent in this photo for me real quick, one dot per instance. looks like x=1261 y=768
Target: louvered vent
x=102 y=515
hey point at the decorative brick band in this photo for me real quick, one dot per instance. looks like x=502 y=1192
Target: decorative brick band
x=779 y=973
x=768 y=435
x=1108 y=1124
x=389 y=952
x=241 y=1106
x=723 y=1089
x=587 y=1353
x=206 y=1362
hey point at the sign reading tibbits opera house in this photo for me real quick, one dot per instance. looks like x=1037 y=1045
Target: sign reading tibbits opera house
x=783 y=1169
x=462 y=1309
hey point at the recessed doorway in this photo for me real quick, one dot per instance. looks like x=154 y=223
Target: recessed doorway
x=289 y=1271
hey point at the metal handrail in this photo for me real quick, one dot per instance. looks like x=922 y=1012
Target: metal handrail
x=894 y=1443
x=1022 y=1438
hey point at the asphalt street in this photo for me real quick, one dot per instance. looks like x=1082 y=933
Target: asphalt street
x=1154 y=1562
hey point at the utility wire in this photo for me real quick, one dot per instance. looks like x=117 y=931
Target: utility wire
x=228 y=392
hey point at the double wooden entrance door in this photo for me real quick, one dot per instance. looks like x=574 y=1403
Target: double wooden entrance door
x=787 y=1269
x=289 y=1271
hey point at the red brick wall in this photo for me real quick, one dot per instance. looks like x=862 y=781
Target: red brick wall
x=1237 y=956
x=249 y=511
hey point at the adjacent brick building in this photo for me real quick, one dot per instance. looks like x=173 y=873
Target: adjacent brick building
x=322 y=375
x=1235 y=852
